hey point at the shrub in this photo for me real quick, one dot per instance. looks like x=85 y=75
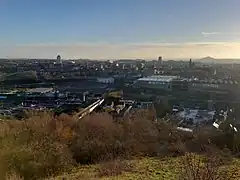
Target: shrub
x=114 y=168
x=195 y=168
x=140 y=136
x=95 y=138
x=43 y=145
x=13 y=176
x=31 y=149
x=177 y=149
x=98 y=137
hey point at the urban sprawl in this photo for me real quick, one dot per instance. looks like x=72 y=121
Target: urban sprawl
x=192 y=92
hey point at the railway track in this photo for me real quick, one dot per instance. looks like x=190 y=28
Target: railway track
x=90 y=108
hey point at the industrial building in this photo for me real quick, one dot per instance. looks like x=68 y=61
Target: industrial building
x=39 y=90
x=219 y=89
x=176 y=83
x=158 y=82
x=213 y=85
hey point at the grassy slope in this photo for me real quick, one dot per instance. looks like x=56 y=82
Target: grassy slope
x=146 y=168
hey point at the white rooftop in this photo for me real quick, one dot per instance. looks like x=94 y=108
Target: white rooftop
x=197 y=115
x=40 y=90
x=158 y=78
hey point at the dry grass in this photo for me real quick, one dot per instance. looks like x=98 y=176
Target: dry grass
x=195 y=167
x=141 y=168
x=114 y=168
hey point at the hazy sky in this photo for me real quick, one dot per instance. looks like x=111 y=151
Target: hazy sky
x=119 y=28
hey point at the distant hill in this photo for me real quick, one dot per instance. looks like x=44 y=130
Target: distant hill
x=208 y=59
x=237 y=61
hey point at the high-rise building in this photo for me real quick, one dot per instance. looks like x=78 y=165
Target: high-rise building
x=59 y=60
x=160 y=60
x=190 y=63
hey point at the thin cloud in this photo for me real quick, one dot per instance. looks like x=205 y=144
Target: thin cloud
x=211 y=33
x=219 y=33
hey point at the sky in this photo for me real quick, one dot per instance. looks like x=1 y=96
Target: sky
x=112 y=29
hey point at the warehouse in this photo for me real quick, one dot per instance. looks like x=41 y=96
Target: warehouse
x=158 y=82
x=40 y=90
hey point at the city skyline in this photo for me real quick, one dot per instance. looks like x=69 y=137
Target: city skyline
x=120 y=29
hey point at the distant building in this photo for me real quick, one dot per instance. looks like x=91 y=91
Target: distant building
x=59 y=59
x=180 y=84
x=39 y=90
x=159 y=64
x=158 y=82
x=190 y=63
x=215 y=72
x=107 y=80
x=160 y=59
x=196 y=115
x=221 y=89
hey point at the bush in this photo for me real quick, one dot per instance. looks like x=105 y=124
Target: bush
x=31 y=149
x=98 y=137
x=114 y=168
x=140 y=136
x=95 y=138
x=195 y=168
x=13 y=176
x=43 y=145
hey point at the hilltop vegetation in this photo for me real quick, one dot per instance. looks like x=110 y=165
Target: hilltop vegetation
x=97 y=146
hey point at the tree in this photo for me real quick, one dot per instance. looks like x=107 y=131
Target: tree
x=162 y=108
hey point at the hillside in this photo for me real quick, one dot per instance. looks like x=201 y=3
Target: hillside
x=101 y=147
x=142 y=168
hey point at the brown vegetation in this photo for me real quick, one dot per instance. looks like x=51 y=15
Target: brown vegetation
x=195 y=167
x=114 y=168
x=42 y=145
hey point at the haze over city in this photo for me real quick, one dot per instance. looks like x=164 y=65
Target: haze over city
x=119 y=29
